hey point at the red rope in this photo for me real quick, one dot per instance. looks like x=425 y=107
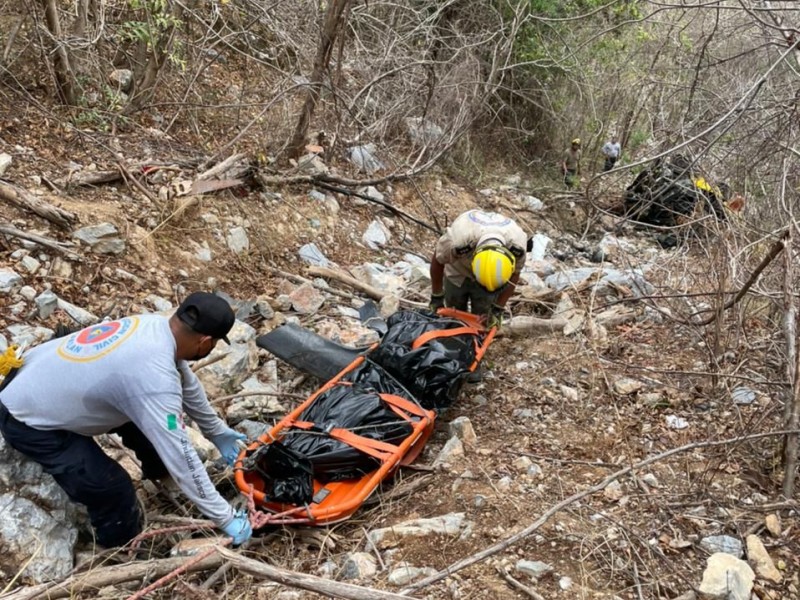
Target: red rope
x=182 y=569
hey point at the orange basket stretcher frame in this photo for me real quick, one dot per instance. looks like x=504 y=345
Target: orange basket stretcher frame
x=337 y=500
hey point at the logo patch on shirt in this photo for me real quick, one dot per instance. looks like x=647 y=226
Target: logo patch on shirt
x=486 y=219
x=98 y=340
x=175 y=421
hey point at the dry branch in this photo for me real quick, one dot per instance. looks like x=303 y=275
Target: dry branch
x=86 y=178
x=546 y=515
x=27 y=201
x=525 y=325
x=326 y=587
x=774 y=251
x=327 y=273
x=43 y=241
x=105 y=576
x=222 y=167
x=518 y=586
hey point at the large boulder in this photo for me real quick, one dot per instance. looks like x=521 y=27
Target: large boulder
x=38 y=530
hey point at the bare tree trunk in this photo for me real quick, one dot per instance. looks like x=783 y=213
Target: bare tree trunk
x=791 y=411
x=156 y=58
x=331 y=28
x=82 y=22
x=65 y=78
x=10 y=37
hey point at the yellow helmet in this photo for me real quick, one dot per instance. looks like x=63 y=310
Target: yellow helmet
x=493 y=266
x=577 y=141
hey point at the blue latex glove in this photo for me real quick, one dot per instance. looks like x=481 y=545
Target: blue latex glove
x=239 y=529
x=228 y=444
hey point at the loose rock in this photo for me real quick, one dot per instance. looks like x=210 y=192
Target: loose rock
x=237 y=240
x=723 y=544
x=10 y=280
x=461 y=427
x=760 y=560
x=727 y=578
x=451 y=524
x=359 y=565
x=450 y=454
x=533 y=568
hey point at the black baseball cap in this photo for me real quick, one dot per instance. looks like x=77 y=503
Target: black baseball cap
x=208 y=314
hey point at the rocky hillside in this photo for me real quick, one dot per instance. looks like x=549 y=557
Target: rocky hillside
x=594 y=460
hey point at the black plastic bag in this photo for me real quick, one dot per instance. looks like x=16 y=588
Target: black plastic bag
x=435 y=372
x=288 y=476
x=345 y=407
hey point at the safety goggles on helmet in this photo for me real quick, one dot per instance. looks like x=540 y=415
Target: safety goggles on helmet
x=493 y=266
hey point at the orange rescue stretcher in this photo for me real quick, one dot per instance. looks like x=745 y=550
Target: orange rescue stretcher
x=337 y=500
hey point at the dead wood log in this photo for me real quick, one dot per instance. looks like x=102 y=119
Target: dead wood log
x=27 y=201
x=525 y=325
x=327 y=273
x=86 y=178
x=105 y=576
x=224 y=166
x=558 y=507
x=41 y=240
x=302 y=280
x=611 y=317
x=326 y=587
x=204 y=187
x=327 y=182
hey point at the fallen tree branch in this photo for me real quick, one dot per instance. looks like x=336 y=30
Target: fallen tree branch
x=372 y=292
x=130 y=179
x=328 y=273
x=506 y=543
x=393 y=209
x=312 y=583
x=112 y=575
x=222 y=167
x=244 y=394
x=328 y=182
x=525 y=325
x=41 y=240
x=518 y=586
x=302 y=280
x=25 y=200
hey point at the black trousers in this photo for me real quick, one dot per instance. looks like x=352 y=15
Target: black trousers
x=88 y=475
x=610 y=162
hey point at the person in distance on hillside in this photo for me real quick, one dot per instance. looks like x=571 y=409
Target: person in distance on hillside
x=476 y=264
x=571 y=164
x=129 y=377
x=611 y=151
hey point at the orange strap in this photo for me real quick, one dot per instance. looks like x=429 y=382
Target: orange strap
x=405 y=405
x=380 y=450
x=440 y=333
x=377 y=449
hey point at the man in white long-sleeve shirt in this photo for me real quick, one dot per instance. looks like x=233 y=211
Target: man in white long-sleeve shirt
x=611 y=151
x=129 y=377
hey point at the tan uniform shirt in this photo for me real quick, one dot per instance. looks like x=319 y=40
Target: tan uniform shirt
x=454 y=249
x=572 y=159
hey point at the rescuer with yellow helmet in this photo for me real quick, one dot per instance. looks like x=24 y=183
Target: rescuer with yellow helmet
x=477 y=263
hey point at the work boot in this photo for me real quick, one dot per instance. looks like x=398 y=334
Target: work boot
x=477 y=375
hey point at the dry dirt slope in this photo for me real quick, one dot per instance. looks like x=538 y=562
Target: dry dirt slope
x=549 y=399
